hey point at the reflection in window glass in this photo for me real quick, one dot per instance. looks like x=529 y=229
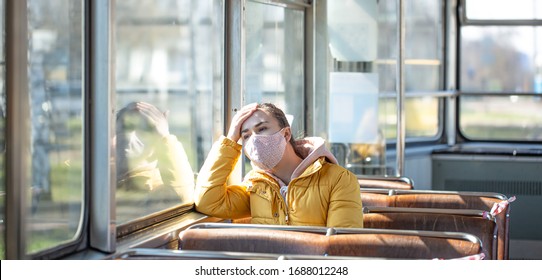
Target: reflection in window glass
x=274 y=59
x=169 y=59
x=55 y=89
x=515 y=118
x=2 y=134
x=504 y=9
x=501 y=59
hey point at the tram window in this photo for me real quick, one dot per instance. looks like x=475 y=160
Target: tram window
x=421 y=117
x=2 y=135
x=506 y=118
x=423 y=46
x=423 y=68
x=55 y=196
x=503 y=9
x=502 y=58
x=169 y=55
x=424 y=65
x=275 y=59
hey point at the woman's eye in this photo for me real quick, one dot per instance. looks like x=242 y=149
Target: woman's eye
x=245 y=137
x=261 y=129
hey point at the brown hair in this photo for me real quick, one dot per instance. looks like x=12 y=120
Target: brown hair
x=279 y=115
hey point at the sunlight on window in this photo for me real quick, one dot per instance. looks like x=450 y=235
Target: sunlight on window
x=504 y=9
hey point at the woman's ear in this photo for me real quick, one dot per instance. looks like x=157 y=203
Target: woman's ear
x=287 y=133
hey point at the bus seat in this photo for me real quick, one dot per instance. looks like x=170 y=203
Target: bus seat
x=448 y=200
x=255 y=240
x=321 y=241
x=376 y=199
x=404 y=246
x=451 y=220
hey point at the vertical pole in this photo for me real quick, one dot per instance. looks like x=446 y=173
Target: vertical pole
x=17 y=128
x=235 y=69
x=102 y=92
x=400 y=86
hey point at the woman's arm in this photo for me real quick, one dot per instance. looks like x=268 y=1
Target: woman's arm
x=213 y=196
x=345 y=209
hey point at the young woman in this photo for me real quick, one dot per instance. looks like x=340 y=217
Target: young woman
x=291 y=183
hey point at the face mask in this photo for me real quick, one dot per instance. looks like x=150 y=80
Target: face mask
x=265 y=151
x=130 y=144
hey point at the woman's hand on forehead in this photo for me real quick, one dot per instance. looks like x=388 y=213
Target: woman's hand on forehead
x=239 y=118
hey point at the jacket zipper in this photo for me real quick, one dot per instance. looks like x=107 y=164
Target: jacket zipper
x=285 y=207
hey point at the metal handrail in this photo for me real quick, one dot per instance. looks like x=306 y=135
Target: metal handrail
x=335 y=231
x=223 y=255
x=436 y=192
x=444 y=211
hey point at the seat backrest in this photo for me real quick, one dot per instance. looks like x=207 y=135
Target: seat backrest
x=462 y=201
x=376 y=199
x=319 y=241
x=254 y=240
x=468 y=221
x=446 y=200
x=399 y=246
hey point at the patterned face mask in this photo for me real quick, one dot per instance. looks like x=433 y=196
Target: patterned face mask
x=265 y=151
x=133 y=146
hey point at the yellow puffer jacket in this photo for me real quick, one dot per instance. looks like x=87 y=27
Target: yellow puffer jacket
x=323 y=194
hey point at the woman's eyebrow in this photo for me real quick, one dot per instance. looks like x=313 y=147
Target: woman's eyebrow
x=257 y=125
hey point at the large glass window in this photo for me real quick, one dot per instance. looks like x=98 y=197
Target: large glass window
x=55 y=56
x=501 y=55
x=501 y=59
x=423 y=66
x=362 y=76
x=274 y=66
x=503 y=9
x=507 y=117
x=169 y=59
x=275 y=59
